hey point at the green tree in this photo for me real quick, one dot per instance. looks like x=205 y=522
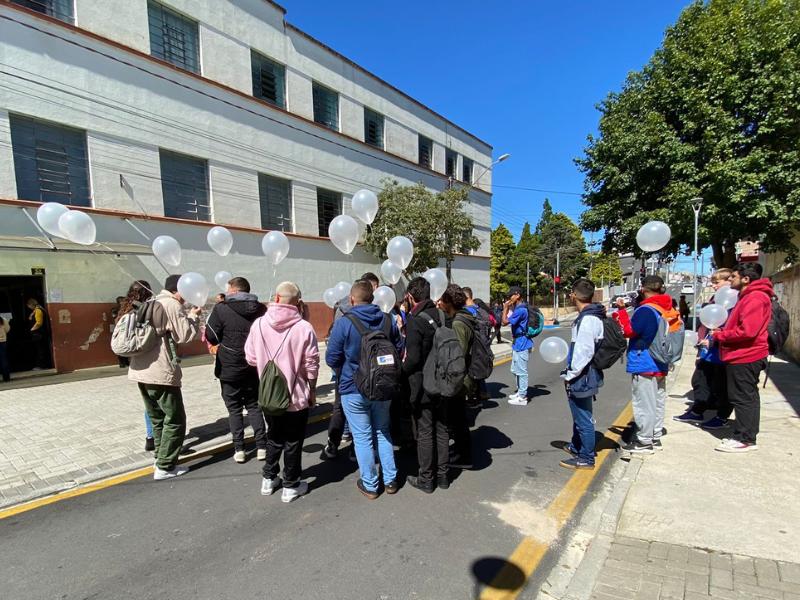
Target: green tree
x=437 y=224
x=606 y=269
x=560 y=238
x=502 y=244
x=526 y=253
x=715 y=113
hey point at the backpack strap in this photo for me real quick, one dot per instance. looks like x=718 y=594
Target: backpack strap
x=387 y=327
x=360 y=327
x=278 y=351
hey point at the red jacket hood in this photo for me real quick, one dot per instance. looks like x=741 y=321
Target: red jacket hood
x=662 y=300
x=759 y=285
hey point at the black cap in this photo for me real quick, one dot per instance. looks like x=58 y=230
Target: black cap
x=514 y=289
x=171 y=283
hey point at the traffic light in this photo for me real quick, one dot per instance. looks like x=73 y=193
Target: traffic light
x=557 y=279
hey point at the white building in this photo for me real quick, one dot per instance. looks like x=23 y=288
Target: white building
x=171 y=116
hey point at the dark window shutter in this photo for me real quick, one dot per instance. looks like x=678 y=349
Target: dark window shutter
x=326 y=106
x=425 y=152
x=269 y=80
x=450 y=161
x=466 y=174
x=184 y=185
x=373 y=128
x=329 y=206
x=50 y=162
x=276 y=202
x=60 y=9
x=173 y=37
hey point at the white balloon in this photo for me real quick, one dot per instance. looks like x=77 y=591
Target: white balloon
x=554 y=350
x=365 y=205
x=343 y=232
x=167 y=250
x=391 y=272
x=48 y=215
x=342 y=290
x=713 y=316
x=194 y=288
x=329 y=296
x=653 y=236
x=220 y=240
x=384 y=297
x=77 y=227
x=690 y=338
x=400 y=251
x=726 y=297
x=438 y=281
x=275 y=246
x=221 y=279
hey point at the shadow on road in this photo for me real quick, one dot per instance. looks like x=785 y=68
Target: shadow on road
x=484 y=439
x=497 y=572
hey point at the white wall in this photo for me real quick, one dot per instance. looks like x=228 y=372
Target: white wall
x=8 y=181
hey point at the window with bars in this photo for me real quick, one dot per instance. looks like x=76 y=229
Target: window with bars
x=184 y=185
x=275 y=197
x=466 y=170
x=326 y=106
x=329 y=206
x=450 y=162
x=269 y=79
x=425 y=152
x=50 y=162
x=373 y=128
x=173 y=37
x=60 y=9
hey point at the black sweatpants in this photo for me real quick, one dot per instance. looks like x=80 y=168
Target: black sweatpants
x=710 y=389
x=459 y=430
x=433 y=439
x=338 y=420
x=238 y=396
x=286 y=435
x=743 y=394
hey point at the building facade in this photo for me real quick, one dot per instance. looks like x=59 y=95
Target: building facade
x=173 y=116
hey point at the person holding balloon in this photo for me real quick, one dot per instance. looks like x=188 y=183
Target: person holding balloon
x=515 y=314
x=744 y=348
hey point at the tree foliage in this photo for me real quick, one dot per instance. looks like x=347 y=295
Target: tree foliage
x=437 y=224
x=502 y=254
x=716 y=114
x=606 y=269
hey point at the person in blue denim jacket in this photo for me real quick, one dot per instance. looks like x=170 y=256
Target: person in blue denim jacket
x=515 y=314
x=581 y=379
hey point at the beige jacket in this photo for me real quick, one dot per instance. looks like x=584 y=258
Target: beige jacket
x=4 y=330
x=160 y=366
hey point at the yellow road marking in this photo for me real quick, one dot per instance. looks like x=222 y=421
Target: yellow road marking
x=142 y=472
x=529 y=553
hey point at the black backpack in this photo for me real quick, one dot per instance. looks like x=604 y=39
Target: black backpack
x=481 y=357
x=613 y=346
x=778 y=327
x=446 y=365
x=379 y=368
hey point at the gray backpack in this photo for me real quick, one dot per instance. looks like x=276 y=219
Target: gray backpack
x=134 y=332
x=446 y=366
x=667 y=346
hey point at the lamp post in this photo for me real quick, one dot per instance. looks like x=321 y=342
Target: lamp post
x=500 y=159
x=697 y=204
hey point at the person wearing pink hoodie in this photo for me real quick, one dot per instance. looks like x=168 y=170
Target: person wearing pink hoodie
x=284 y=337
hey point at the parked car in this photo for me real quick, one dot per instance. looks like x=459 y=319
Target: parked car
x=687 y=289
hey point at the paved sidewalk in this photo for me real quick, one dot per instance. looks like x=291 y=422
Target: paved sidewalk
x=58 y=435
x=689 y=522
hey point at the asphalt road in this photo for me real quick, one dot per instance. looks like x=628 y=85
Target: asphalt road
x=211 y=535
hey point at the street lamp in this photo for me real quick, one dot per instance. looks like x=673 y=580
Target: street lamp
x=697 y=204
x=500 y=159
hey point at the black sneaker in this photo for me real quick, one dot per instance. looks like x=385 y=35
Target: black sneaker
x=576 y=463
x=442 y=482
x=414 y=482
x=657 y=445
x=392 y=487
x=149 y=444
x=635 y=447
x=329 y=452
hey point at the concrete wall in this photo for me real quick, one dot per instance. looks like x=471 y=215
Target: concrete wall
x=787 y=288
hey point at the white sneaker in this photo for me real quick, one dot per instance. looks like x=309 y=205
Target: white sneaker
x=290 y=494
x=161 y=474
x=239 y=456
x=518 y=401
x=734 y=446
x=261 y=454
x=268 y=486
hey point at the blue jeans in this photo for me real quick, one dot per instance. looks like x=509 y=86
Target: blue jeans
x=148 y=425
x=369 y=424
x=582 y=427
x=519 y=367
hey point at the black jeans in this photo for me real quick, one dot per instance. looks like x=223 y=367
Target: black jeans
x=4 y=368
x=743 y=394
x=337 y=422
x=238 y=396
x=459 y=430
x=41 y=344
x=433 y=440
x=286 y=434
x=710 y=389
x=497 y=334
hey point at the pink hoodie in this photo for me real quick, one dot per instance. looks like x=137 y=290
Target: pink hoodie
x=298 y=359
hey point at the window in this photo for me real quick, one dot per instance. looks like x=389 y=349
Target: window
x=173 y=37
x=329 y=206
x=425 y=152
x=326 y=107
x=50 y=162
x=60 y=9
x=275 y=197
x=450 y=160
x=184 y=185
x=269 y=79
x=373 y=128
x=466 y=170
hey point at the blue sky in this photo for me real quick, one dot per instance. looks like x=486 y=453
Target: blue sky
x=525 y=76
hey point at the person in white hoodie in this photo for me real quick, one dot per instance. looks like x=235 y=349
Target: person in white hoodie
x=581 y=379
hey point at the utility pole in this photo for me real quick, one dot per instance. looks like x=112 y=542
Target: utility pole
x=528 y=283
x=697 y=204
x=556 y=281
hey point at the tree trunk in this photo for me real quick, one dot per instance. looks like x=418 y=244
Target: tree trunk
x=724 y=254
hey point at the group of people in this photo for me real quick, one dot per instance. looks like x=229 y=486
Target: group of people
x=38 y=328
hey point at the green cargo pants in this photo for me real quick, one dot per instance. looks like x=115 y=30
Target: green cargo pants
x=164 y=406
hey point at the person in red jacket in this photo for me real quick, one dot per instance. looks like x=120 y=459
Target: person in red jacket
x=744 y=349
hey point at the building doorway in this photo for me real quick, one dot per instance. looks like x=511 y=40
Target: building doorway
x=26 y=350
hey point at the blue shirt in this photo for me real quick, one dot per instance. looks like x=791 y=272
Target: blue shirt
x=473 y=310
x=518 y=319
